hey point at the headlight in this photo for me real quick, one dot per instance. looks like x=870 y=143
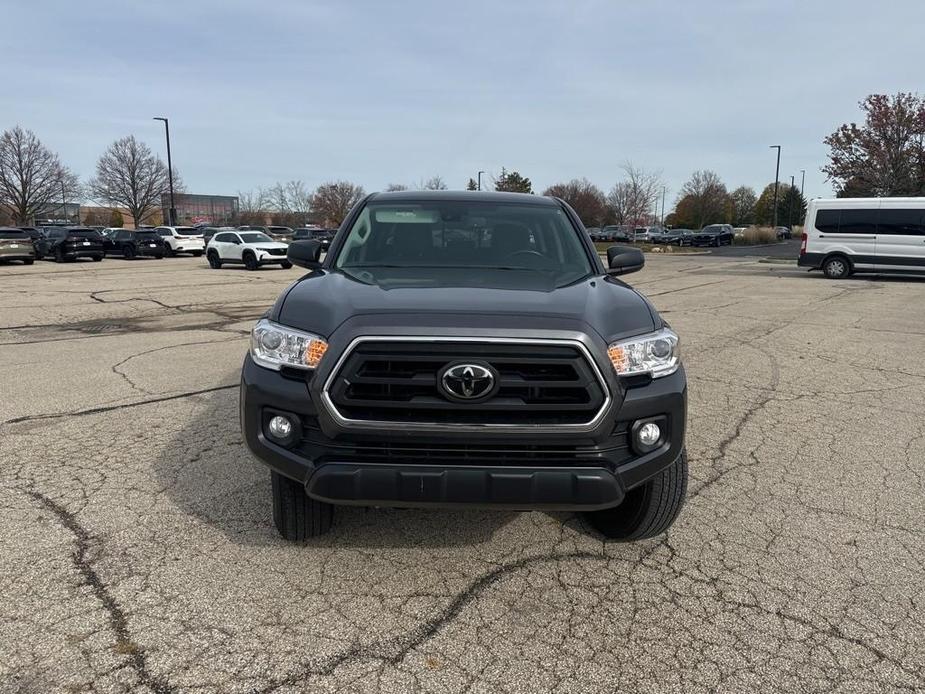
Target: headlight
x=273 y=346
x=657 y=354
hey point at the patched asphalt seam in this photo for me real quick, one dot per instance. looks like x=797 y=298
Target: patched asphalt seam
x=124 y=644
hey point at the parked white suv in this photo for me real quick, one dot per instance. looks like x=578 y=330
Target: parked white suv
x=182 y=240
x=249 y=248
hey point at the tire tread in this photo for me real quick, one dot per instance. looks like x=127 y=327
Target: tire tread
x=297 y=516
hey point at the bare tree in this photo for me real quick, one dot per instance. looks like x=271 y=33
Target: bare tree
x=395 y=187
x=276 y=198
x=582 y=196
x=633 y=199
x=130 y=175
x=252 y=206
x=706 y=195
x=433 y=183
x=333 y=200
x=31 y=176
x=289 y=202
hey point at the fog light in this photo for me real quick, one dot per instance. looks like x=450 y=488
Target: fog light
x=281 y=428
x=648 y=434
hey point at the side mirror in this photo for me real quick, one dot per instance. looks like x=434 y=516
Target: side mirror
x=305 y=254
x=623 y=260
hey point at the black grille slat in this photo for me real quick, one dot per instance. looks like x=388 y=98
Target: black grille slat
x=396 y=381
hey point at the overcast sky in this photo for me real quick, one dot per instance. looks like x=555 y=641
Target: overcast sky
x=379 y=92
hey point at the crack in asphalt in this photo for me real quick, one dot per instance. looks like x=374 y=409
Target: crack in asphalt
x=115 y=367
x=393 y=651
x=111 y=408
x=118 y=622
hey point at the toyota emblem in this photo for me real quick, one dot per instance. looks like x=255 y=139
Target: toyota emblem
x=468 y=381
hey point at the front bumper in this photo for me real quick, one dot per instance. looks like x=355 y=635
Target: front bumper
x=394 y=466
x=269 y=259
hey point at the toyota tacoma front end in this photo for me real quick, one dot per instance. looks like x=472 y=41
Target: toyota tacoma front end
x=467 y=349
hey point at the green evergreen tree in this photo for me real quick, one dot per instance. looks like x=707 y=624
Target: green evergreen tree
x=513 y=182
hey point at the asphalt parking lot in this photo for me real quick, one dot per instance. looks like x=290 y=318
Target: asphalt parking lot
x=138 y=552
x=789 y=250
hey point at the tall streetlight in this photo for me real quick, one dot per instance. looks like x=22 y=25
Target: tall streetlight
x=63 y=201
x=662 y=221
x=776 y=181
x=172 y=214
x=790 y=204
x=802 y=184
x=480 y=180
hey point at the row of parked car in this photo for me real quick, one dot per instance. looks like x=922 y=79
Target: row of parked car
x=247 y=245
x=710 y=235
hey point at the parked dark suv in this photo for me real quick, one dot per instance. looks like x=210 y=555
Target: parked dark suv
x=467 y=349
x=69 y=243
x=324 y=236
x=714 y=235
x=131 y=244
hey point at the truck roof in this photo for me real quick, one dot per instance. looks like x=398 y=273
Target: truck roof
x=462 y=196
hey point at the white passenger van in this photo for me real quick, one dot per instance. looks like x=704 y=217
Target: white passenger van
x=846 y=235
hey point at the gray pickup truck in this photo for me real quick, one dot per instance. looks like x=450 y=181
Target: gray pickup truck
x=467 y=349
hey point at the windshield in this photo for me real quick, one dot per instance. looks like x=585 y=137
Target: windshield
x=711 y=230
x=254 y=237
x=464 y=235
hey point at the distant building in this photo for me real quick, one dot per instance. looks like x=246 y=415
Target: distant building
x=205 y=209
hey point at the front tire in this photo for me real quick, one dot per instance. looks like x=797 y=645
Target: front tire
x=168 y=251
x=214 y=261
x=285 y=265
x=97 y=258
x=128 y=252
x=647 y=510
x=59 y=256
x=29 y=261
x=197 y=254
x=250 y=261
x=296 y=515
x=836 y=268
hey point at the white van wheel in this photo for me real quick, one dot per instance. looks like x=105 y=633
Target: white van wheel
x=836 y=267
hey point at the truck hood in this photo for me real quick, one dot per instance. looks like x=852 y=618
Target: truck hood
x=322 y=301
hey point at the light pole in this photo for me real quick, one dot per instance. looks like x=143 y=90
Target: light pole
x=802 y=184
x=662 y=220
x=480 y=180
x=790 y=194
x=63 y=201
x=172 y=213
x=776 y=181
